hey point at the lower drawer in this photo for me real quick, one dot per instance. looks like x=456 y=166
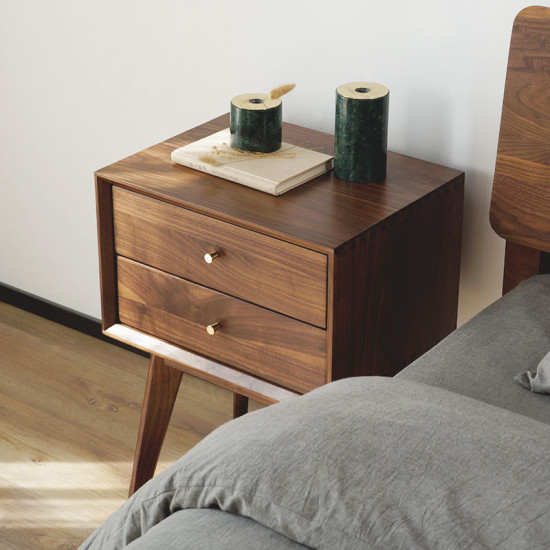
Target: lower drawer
x=248 y=337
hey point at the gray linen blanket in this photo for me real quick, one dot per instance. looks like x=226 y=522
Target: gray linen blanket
x=362 y=463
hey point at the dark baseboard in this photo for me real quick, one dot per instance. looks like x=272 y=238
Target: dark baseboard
x=59 y=314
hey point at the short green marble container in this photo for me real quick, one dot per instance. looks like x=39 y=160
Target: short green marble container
x=256 y=123
x=361 y=132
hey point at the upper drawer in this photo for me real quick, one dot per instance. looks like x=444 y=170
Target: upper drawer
x=283 y=277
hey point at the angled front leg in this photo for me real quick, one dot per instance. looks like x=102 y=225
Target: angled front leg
x=160 y=395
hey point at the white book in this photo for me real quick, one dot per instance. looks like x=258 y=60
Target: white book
x=273 y=173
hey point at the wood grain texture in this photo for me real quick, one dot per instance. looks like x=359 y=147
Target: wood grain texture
x=69 y=409
x=520 y=204
x=396 y=287
x=275 y=274
x=161 y=390
x=322 y=214
x=251 y=338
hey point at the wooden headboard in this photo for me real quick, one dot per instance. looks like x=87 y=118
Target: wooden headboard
x=520 y=203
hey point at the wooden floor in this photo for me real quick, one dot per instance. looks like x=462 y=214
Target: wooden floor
x=69 y=413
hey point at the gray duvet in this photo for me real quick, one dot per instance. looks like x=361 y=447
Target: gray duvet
x=360 y=463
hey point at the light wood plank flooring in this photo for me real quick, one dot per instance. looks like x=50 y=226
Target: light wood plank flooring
x=69 y=414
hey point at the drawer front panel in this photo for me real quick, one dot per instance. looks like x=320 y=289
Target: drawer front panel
x=286 y=278
x=272 y=346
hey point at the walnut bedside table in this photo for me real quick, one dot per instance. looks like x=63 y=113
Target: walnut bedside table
x=268 y=296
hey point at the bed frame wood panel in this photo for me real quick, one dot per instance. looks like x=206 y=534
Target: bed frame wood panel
x=520 y=203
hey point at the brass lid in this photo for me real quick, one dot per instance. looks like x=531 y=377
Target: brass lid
x=259 y=102
x=362 y=90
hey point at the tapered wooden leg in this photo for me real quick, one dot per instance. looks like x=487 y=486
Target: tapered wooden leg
x=240 y=405
x=520 y=263
x=160 y=395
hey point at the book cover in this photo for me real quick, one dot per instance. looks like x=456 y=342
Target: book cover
x=273 y=173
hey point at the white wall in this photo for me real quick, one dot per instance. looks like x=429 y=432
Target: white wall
x=85 y=83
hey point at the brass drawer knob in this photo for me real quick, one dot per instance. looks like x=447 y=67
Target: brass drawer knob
x=211 y=329
x=211 y=256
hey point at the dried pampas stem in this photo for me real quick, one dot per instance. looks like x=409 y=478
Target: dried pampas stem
x=281 y=90
x=225 y=154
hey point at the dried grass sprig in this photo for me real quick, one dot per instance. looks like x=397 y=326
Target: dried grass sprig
x=209 y=158
x=224 y=154
x=276 y=93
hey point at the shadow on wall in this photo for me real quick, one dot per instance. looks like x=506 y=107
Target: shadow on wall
x=482 y=249
x=426 y=135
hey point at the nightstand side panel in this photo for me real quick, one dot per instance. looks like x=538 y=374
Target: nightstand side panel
x=106 y=249
x=396 y=287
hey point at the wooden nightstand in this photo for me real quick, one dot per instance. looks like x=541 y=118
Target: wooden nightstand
x=273 y=296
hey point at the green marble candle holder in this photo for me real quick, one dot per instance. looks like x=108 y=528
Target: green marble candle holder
x=361 y=132
x=256 y=123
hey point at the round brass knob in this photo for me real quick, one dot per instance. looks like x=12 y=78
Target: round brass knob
x=211 y=256
x=211 y=329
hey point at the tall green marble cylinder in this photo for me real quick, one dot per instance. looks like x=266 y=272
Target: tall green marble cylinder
x=361 y=132
x=256 y=123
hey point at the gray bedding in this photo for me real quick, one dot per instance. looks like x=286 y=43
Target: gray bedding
x=363 y=463
x=374 y=462
x=210 y=529
x=483 y=356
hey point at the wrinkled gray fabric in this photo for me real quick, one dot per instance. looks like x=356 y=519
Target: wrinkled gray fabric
x=538 y=381
x=481 y=358
x=211 y=529
x=363 y=463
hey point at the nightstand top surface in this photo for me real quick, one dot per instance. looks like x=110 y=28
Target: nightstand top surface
x=324 y=213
